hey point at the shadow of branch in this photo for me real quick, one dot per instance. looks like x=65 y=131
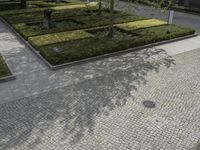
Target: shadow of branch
x=72 y=110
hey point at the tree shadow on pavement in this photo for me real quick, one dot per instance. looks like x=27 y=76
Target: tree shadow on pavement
x=71 y=111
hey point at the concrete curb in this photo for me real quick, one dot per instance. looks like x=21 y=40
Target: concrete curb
x=7 y=78
x=55 y=67
x=26 y=43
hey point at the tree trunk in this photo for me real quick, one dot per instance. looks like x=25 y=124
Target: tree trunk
x=23 y=4
x=111 y=23
x=47 y=18
x=100 y=7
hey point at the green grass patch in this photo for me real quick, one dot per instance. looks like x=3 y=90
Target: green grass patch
x=4 y=70
x=135 y=25
x=47 y=39
x=100 y=44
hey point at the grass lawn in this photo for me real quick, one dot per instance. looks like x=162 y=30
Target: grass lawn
x=4 y=70
x=78 y=32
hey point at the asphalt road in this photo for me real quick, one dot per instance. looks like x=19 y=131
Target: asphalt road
x=180 y=18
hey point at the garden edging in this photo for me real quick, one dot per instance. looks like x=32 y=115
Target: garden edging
x=7 y=78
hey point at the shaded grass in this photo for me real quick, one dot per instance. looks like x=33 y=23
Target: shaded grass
x=4 y=70
x=51 y=4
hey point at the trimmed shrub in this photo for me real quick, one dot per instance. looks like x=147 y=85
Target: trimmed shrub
x=47 y=4
x=47 y=39
x=80 y=22
x=57 y=8
x=140 y=24
x=100 y=44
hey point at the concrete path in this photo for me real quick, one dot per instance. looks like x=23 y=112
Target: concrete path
x=184 y=19
x=99 y=105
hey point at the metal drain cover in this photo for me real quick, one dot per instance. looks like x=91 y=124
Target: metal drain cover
x=149 y=104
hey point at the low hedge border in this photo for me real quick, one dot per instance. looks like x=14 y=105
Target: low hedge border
x=100 y=44
x=135 y=25
x=58 y=37
x=48 y=4
x=55 y=67
x=57 y=8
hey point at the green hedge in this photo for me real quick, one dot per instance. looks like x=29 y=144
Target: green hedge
x=135 y=25
x=39 y=10
x=100 y=44
x=9 y=6
x=47 y=39
x=48 y=4
x=4 y=70
x=85 y=22
x=37 y=16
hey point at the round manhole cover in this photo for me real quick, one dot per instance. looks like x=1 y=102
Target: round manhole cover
x=149 y=104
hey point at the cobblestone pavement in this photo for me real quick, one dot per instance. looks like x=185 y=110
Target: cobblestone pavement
x=100 y=105
x=106 y=112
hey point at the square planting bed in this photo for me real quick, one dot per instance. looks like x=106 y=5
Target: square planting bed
x=75 y=37
x=99 y=44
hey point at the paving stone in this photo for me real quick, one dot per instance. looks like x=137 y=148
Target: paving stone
x=5 y=93
x=101 y=113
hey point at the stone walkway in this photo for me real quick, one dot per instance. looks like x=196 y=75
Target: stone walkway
x=99 y=105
